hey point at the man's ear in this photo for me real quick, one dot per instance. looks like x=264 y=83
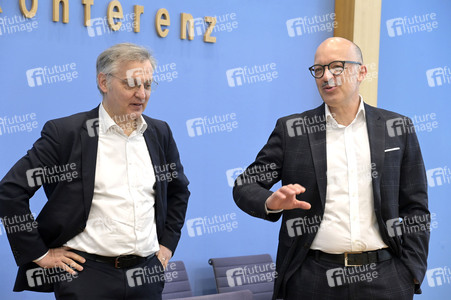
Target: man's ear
x=102 y=82
x=363 y=70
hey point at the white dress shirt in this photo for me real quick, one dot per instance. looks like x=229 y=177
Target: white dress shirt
x=122 y=216
x=349 y=223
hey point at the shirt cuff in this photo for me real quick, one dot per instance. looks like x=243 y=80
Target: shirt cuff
x=39 y=258
x=270 y=211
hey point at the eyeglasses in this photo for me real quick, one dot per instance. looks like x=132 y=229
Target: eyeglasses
x=135 y=83
x=336 y=68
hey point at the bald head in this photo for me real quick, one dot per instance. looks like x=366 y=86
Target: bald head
x=339 y=46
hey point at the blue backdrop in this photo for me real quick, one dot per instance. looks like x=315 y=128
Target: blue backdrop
x=222 y=101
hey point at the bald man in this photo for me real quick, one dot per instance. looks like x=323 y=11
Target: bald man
x=353 y=200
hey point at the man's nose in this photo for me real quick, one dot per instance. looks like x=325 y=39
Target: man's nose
x=141 y=92
x=327 y=75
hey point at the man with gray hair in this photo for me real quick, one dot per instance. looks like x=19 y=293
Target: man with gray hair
x=109 y=231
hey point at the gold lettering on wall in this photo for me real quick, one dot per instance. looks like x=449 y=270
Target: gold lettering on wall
x=162 y=19
x=138 y=10
x=207 y=37
x=186 y=19
x=112 y=14
x=28 y=13
x=56 y=10
x=87 y=4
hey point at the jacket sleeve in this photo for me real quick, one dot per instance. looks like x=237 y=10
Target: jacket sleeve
x=252 y=187
x=177 y=196
x=16 y=189
x=413 y=206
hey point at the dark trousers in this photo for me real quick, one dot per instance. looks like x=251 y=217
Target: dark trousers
x=100 y=281
x=323 y=280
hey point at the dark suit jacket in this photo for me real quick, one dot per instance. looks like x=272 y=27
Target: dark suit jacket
x=399 y=185
x=74 y=139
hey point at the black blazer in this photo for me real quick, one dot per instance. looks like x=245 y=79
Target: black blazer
x=74 y=139
x=399 y=185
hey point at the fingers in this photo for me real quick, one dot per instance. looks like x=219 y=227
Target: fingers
x=285 y=198
x=64 y=259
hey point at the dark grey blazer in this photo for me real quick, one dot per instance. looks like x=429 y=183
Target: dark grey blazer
x=297 y=151
x=74 y=139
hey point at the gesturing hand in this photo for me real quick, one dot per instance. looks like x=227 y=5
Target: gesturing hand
x=285 y=198
x=62 y=258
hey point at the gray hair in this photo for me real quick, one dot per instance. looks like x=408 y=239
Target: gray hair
x=109 y=60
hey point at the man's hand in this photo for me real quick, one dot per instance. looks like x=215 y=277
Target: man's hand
x=164 y=255
x=285 y=198
x=62 y=258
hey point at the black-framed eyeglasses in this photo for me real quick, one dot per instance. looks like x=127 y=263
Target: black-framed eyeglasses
x=135 y=83
x=336 y=68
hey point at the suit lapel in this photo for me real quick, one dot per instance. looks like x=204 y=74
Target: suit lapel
x=317 y=138
x=376 y=136
x=89 y=137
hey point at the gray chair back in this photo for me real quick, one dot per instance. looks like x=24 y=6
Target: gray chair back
x=177 y=282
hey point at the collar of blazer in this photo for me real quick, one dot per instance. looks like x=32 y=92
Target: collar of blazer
x=89 y=144
x=376 y=135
